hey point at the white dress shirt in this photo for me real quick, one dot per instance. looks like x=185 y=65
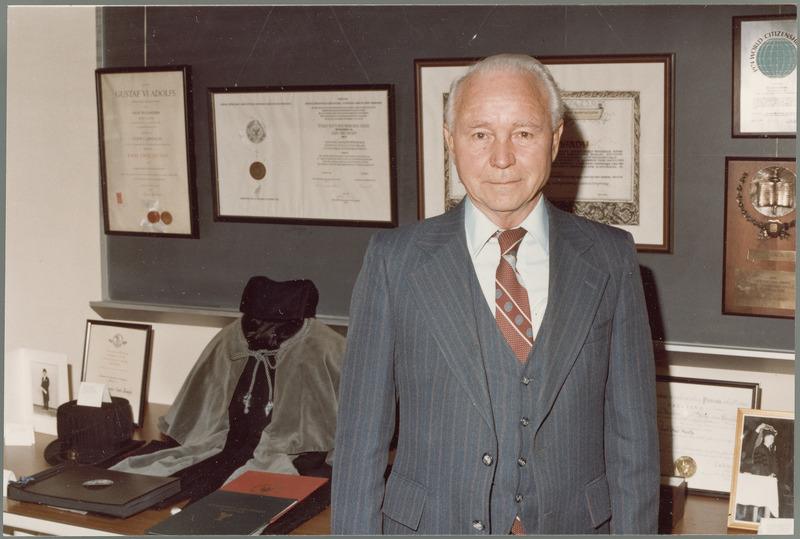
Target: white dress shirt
x=533 y=256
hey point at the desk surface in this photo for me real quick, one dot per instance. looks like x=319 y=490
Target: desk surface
x=702 y=514
x=28 y=460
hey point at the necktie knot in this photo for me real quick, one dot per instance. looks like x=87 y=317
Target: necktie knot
x=510 y=239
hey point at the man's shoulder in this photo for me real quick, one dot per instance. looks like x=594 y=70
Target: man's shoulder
x=432 y=228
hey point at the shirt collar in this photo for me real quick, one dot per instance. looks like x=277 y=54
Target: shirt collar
x=480 y=228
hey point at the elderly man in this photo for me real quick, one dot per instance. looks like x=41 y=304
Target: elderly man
x=509 y=338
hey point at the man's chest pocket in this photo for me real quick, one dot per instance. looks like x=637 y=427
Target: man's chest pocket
x=599 y=330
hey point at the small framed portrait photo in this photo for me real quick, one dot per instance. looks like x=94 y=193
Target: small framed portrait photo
x=762 y=484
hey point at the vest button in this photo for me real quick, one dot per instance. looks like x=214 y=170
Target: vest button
x=525 y=380
x=487 y=459
x=521 y=462
x=525 y=421
x=518 y=498
x=478 y=525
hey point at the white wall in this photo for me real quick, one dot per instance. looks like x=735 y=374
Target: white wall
x=52 y=230
x=53 y=213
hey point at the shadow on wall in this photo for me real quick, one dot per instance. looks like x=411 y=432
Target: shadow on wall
x=653 y=304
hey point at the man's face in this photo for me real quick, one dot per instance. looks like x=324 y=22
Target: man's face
x=502 y=144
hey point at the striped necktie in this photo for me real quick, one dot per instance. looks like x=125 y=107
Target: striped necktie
x=513 y=312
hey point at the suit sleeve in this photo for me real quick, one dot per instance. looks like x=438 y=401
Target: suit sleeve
x=631 y=435
x=366 y=404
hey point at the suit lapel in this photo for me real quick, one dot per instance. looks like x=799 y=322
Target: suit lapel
x=438 y=285
x=574 y=293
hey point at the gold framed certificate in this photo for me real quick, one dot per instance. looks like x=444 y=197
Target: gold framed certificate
x=146 y=151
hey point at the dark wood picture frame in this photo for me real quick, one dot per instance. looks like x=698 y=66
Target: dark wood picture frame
x=257 y=177
x=118 y=354
x=147 y=168
x=434 y=172
x=696 y=424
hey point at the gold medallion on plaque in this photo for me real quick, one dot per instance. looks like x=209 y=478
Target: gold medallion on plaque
x=767 y=199
x=685 y=467
x=166 y=217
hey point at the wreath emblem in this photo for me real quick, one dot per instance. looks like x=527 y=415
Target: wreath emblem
x=771 y=194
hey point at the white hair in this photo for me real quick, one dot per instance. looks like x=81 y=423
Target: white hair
x=510 y=63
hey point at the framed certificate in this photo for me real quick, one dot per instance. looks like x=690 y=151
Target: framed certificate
x=118 y=355
x=762 y=486
x=146 y=151
x=696 y=429
x=760 y=251
x=614 y=163
x=765 y=76
x=310 y=155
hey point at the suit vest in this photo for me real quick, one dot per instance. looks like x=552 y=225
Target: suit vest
x=512 y=395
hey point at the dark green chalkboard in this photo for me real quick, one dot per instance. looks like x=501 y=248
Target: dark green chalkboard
x=305 y=46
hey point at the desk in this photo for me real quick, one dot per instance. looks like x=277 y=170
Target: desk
x=706 y=515
x=702 y=514
x=31 y=517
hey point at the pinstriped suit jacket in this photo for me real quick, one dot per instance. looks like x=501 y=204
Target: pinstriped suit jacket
x=413 y=342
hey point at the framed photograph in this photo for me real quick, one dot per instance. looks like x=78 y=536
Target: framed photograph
x=765 y=76
x=763 y=481
x=759 y=254
x=118 y=355
x=304 y=155
x=615 y=161
x=146 y=151
x=697 y=429
x=48 y=380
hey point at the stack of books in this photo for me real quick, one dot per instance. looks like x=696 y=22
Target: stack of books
x=245 y=506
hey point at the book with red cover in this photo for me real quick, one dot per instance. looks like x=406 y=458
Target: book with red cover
x=296 y=487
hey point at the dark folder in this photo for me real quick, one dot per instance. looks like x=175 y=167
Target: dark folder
x=96 y=490
x=224 y=512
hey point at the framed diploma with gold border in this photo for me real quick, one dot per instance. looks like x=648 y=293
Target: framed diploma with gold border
x=760 y=214
x=118 y=355
x=614 y=163
x=762 y=485
x=146 y=151
x=304 y=155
